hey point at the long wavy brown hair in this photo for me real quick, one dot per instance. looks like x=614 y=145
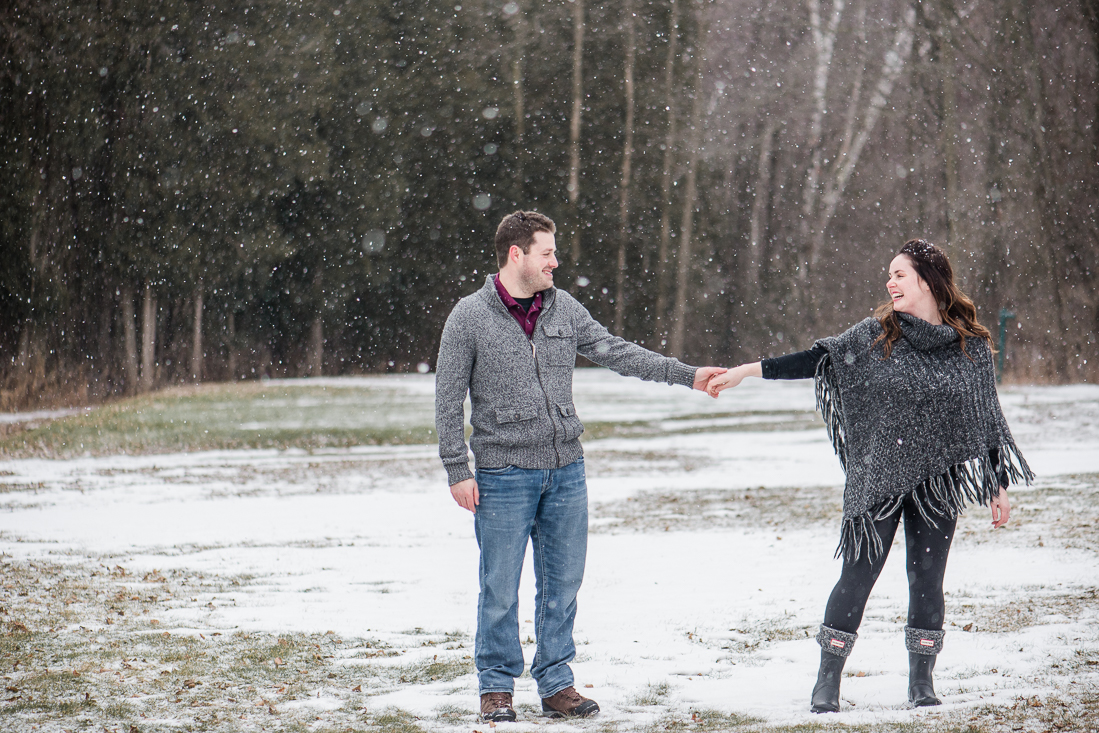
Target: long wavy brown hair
x=955 y=307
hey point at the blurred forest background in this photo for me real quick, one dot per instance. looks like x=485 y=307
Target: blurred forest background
x=200 y=190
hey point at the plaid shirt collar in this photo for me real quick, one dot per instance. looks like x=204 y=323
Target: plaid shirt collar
x=527 y=318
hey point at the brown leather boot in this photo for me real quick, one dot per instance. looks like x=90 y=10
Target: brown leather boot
x=568 y=703
x=496 y=707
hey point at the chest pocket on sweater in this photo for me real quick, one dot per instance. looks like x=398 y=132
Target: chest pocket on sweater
x=515 y=414
x=559 y=348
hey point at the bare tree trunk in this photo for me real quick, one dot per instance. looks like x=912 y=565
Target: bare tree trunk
x=148 y=339
x=938 y=18
x=624 y=186
x=690 y=196
x=663 y=260
x=1046 y=192
x=196 y=338
x=519 y=44
x=129 y=341
x=574 y=123
x=316 y=346
x=753 y=274
x=232 y=345
x=1091 y=15
x=103 y=340
x=265 y=360
x=996 y=169
x=950 y=125
x=23 y=360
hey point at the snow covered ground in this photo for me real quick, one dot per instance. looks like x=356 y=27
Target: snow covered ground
x=710 y=559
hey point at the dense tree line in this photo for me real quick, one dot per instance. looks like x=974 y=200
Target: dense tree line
x=194 y=191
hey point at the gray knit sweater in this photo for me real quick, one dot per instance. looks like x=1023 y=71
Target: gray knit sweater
x=521 y=391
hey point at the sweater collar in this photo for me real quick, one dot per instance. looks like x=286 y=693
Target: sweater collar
x=489 y=292
x=924 y=336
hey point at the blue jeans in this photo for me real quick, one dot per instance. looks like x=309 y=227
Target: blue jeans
x=551 y=508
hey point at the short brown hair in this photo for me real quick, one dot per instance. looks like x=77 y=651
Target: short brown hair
x=518 y=229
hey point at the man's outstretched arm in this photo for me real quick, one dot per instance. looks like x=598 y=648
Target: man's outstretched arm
x=596 y=343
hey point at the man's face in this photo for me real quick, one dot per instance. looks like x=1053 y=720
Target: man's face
x=536 y=268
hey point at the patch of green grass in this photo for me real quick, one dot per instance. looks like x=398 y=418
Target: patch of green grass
x=649 y=429
x=437 y=670
x=705 y=721
x=119 y=709
x=449 y=712
x=393 y=720
x=234 y=416
x=49 y=706
x=714 y=720
x=783 y=508
x=653 y=695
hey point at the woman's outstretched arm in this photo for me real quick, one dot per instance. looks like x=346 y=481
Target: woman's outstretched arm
x=800 y=365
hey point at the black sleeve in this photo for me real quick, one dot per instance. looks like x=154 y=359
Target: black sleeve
x=802 y=365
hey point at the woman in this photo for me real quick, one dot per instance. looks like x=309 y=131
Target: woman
x=909 y=400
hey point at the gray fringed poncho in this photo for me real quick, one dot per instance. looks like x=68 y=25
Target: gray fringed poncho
x=925 y=423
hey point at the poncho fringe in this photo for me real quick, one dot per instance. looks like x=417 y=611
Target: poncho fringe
x=977 y=480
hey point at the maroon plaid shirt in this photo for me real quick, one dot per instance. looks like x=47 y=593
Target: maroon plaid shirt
x=527 y=318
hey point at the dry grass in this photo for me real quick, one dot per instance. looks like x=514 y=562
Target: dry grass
x=82 y=648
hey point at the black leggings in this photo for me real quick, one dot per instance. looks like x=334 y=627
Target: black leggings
x=928 y=547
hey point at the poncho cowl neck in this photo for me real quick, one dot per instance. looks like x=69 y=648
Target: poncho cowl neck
x=925 y=422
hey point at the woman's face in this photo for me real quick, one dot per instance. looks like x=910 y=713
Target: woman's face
x=909 y=292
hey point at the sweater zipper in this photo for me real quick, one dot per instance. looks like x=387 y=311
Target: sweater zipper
x=549 y=407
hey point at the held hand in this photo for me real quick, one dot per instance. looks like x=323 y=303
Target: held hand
x=733 y=377
x=724 y=381
x=1001 y=508
x=465 y=493
x=704 y=375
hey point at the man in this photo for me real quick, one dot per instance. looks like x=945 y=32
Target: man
x=512 y=346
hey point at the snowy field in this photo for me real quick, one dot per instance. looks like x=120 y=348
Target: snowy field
x=335 y=589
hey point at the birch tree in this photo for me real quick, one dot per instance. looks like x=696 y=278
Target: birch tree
x=825 y=189
x=824 y=43
x=761 y=194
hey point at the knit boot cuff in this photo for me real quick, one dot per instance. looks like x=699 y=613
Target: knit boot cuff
x=835 y=641
x=923 y=641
